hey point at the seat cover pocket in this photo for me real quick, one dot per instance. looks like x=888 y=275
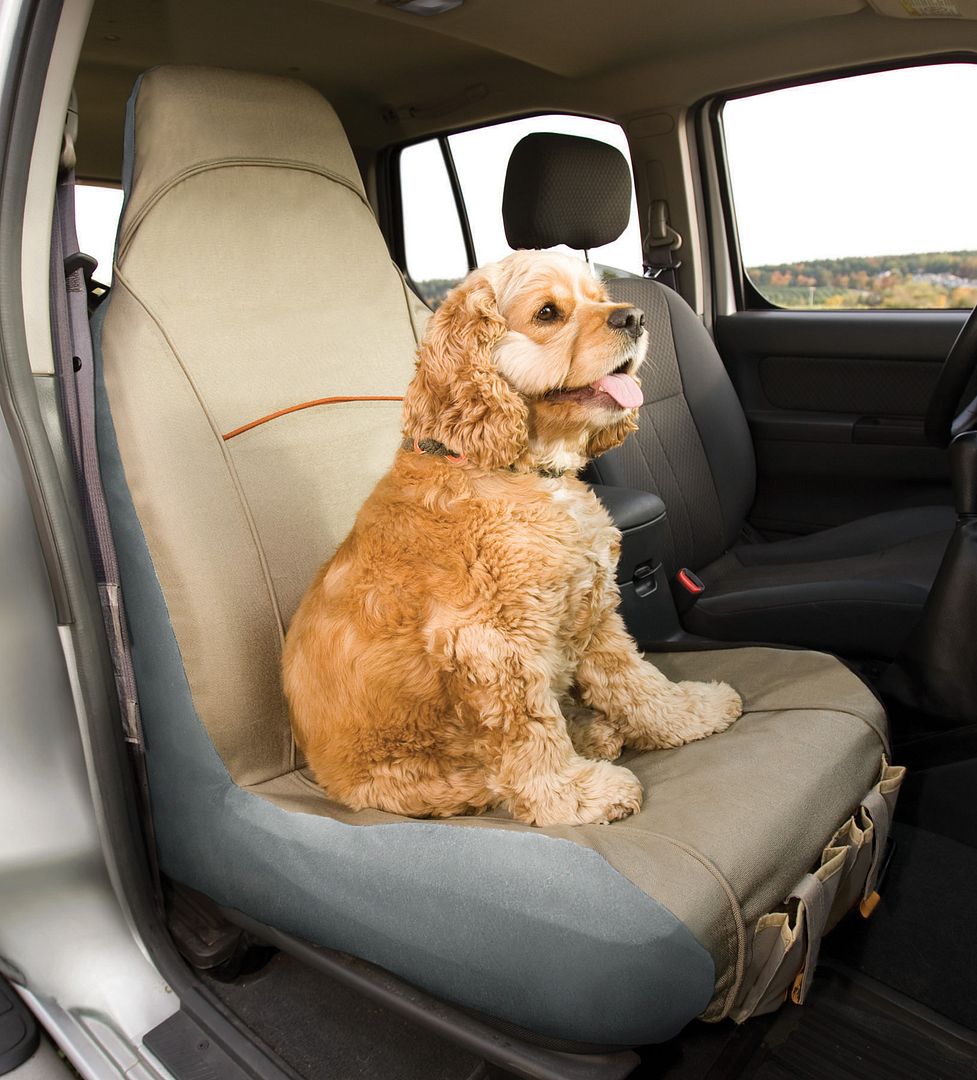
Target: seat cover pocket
x=786 y=943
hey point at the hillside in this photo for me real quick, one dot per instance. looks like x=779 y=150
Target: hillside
x=934 y=279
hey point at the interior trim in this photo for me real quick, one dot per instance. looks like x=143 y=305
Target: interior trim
x=304 y=405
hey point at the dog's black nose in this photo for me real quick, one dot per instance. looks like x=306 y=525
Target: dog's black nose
x=631 y=319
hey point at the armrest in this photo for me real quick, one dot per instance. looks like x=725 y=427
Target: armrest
x=628 y=507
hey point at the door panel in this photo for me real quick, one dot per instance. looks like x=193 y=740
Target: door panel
x=836 y=401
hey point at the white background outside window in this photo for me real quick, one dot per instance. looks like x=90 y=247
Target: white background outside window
x=876 y=165
x=432 y=237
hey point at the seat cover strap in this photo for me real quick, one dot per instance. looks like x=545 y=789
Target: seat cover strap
x=75 y=368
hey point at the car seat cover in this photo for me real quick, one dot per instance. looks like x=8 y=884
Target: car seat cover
x=248 y=288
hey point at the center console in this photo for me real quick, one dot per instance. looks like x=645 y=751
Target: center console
x=646 y=597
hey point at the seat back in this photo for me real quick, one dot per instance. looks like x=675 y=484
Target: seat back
x=250 y=278
x=693 y=445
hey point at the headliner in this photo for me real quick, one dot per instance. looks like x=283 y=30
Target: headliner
x=393 y=76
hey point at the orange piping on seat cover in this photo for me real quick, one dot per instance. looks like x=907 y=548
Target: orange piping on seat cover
x=304 y=405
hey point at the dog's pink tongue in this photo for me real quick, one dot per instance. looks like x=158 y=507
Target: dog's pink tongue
x=622 y=388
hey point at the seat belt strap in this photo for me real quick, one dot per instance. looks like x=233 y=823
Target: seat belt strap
x=75 y=368
x=660 y=243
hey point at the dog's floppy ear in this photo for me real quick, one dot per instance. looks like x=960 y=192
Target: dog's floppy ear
x=609 y=437
x=457 y=396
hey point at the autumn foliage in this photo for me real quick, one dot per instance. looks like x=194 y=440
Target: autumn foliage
x=935 y=279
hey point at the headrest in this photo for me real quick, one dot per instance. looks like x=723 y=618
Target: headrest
x=561 y=189
x=184 y=119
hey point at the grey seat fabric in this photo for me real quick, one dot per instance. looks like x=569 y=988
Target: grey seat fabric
x=858 y=588
x=864 y=581
x=608 y=934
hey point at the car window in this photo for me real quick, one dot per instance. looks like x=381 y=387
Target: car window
x=434 y=244
x=433 y=238
x=97 y=211
x=857 y=193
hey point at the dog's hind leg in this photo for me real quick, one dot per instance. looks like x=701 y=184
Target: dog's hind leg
x=649 y=710
x=422 y=787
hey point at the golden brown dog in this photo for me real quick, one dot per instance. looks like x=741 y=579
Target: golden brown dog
x=428 y=665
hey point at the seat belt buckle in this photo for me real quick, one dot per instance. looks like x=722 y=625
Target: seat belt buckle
x=78 y=260
x=687 y=587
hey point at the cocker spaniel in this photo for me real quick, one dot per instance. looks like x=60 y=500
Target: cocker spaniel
x=429 y=664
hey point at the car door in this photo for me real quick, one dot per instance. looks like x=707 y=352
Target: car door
x=853 y=249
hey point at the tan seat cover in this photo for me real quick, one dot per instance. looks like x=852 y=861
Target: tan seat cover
x=237 y=170
x=233 y=170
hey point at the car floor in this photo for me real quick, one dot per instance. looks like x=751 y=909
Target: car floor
x=922 y=938
x=895 y=997
x=322 y=1029
x=849 y=1029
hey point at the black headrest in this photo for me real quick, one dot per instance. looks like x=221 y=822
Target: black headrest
x=561 y=189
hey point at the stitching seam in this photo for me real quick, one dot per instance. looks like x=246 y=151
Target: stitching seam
x=228 y=462
x=229 y=163
x=734 y=903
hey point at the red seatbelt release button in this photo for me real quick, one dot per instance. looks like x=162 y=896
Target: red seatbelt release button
x=687 y=589
x=692 y=583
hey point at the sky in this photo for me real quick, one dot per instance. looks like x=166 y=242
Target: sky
x=881 y=164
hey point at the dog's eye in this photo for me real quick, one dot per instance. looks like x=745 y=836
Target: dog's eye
x=547 y=313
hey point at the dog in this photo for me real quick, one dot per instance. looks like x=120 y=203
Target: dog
x=428 y=667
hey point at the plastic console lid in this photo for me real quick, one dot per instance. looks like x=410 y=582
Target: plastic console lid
x=629 y=507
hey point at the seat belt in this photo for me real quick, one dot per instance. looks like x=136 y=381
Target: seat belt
x=75 y=370
x=660 y=243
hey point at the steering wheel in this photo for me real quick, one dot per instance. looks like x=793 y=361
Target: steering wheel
x=946 y=417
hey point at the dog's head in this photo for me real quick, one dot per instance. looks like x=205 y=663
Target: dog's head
x=528 y=361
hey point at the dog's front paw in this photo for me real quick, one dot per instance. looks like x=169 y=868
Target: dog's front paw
x=593 y=736
x=689 y=711
x=703 y=709
x=594 y=793
x=721 y=705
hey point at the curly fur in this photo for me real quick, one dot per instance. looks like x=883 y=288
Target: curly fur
x=462 y=650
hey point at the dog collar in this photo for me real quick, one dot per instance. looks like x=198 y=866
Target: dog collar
x=436 y=449
x=430 y=446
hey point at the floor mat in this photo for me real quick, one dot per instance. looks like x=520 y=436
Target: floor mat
x=847 y=1030
x=922 y=938
x=323 y=1029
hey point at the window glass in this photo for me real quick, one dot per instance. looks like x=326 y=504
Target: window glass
x=481 y=158
x=433 y=241
x=857 y=192
x=97 y=211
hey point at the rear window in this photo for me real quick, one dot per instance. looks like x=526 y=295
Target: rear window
x=434 y=245
x=97 y=211
x=857 y=193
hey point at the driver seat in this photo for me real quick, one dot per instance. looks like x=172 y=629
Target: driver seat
x=856 y=589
